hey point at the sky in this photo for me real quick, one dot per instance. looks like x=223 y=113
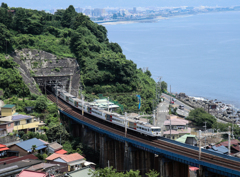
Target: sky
x=50 y=4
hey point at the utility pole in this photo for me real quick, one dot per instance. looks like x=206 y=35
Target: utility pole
x=232 y=130
x=200 y=150
x=160 y=85
x=125 y=124
x=229 y=136
x=82 y=105
x=205 y=132
x=108 y=104
x=170 y=128
x=81 y=90
x=153 y=117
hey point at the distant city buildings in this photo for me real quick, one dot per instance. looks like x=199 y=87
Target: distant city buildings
x=141 y=13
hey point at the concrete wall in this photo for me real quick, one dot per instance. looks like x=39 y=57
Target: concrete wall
x=8 y=126
x=38 y=67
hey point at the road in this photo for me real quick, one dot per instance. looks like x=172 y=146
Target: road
x=177 y=102
x=162 y=112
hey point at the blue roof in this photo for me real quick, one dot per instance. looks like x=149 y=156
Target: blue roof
x=220 y=149
x=27 y=145
x=18 y=117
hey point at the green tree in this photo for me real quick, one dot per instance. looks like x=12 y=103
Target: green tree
x=163 y=86
x=56 y=133
x=148 y=73
x=41 y=103
x=152 y=173
x=4 y=5
x=199 y=116
x=68 y=15
x=34 y=148
x=5 y=37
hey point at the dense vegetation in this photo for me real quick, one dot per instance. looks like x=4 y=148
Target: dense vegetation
x=10 y=79
x=110 y=172
x=199 y=116
x=104 y=68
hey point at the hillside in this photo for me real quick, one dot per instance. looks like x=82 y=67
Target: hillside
x=104 y=68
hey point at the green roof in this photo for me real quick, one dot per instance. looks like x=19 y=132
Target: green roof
x=183 y=138
x=8 y=106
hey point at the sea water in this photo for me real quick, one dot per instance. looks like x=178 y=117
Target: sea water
x=198 y=54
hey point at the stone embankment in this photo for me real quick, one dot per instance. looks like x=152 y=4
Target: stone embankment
x=223 y=111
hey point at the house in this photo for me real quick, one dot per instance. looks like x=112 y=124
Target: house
x=74 y=161
x=8 y=110
x=29 y=109
x=188 y=139
x=235 y=145
x=15 y=168
x=54 y=147
x=57 y=167
x=6 y=128
x=84 y=172
x=3 y=150
x=175 y=134
x=175 y=124
x=23 y=122
x=26 y=173
x=25 y=147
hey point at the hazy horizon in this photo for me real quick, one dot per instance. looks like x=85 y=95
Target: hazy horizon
x=46 y=4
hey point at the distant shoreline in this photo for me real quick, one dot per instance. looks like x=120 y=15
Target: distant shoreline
x=132 y=21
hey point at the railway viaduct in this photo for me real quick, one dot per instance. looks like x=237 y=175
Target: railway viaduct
x=131 y=151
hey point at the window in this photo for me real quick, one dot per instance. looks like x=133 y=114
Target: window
x=16 y=123
x=9 y=125
x=28 y=121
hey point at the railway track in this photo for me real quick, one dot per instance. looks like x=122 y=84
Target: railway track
x=191 y=153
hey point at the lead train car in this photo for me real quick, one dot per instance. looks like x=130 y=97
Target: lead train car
x=135 y=125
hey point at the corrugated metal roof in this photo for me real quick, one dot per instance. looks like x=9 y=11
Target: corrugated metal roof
x=8 y=106
x=10 y=160
x=55 y=146
x=18 y=117
x=220 y=149
x=27 y=145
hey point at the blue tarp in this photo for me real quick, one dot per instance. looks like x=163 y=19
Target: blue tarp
x=220 y=149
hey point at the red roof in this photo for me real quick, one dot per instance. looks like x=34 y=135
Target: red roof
x=8 y=158
x=65 y=157
x=3 y=147
x=62 y=151
x=193 y=168
x=17 y=159
x=27 y=173
x=225 y=143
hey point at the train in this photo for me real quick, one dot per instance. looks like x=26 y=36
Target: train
x=141 y=127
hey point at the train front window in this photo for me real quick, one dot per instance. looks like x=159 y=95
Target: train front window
x=156 y=130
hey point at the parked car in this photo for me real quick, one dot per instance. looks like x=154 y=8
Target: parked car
x=181 y=107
